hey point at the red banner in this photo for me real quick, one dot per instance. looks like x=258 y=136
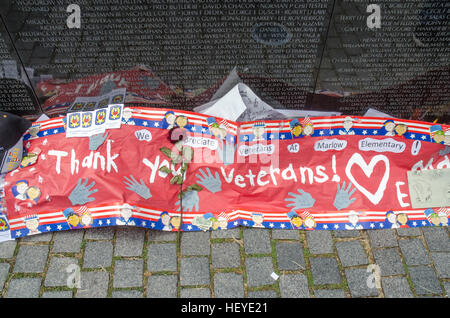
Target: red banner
x=320 y=173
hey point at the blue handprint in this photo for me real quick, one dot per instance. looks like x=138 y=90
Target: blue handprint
x=226 y=153
x=97 y=140
x=213 y=184
x=80 y=194
x=342 y=199
x=444 y=151
x=139 y=188
x=304 y=200
x=190 y=200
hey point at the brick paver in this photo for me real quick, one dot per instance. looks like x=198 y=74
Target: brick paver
x=127 y=262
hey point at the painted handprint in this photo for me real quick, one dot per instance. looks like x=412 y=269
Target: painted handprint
x=97 y=140
x=342 y=199
x=190 y=200
x=80 y=194
x=444 y=151
x=139 y=188
x=212 y=184
x=304 y=200
x=226 y=153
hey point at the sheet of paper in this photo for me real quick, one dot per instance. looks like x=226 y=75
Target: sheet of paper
x=229 y=107
x=5 y=236
x=295 y=113
x=114 y=118
x=10 y=69
x=371 y=112
x=231 y=81
x=429 y=188
x=46 y=77
x=257 y=109
x=240 y=104
x=28 y=71
x=43 y=117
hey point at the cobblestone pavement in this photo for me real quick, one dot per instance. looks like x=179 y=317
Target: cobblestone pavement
x=132 y=262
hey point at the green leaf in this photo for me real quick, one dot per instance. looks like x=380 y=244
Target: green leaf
x=165 y=169
x=184 y=167
x=173 y=180
x=166 y=151
x=195 y=187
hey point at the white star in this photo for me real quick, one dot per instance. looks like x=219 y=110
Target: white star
x=245 y=137
x=235 y=223
x=423 y=137
x=372 y=225
x=189 y=227
x=152 y=225
x=108 y=222
x=48 y=228
x=413 y=135
x=203 y=130
x=100 y=222
x=381 y=225
x=193 y=128
x=331 y=132
x=245 y=223
x=282 y=225
x=231 y=139
x=364 y=132
x=336 y=226
x=271 y=225
x=145 y=123
x=45 y=133
x=325 y=226
x=321 y=133
x=156 y=124
x=283 y=136
x=424 y=223
x=55 y=131
x=59 y=227
x=272 y=136
x=414 y=223
x=375 y=132
x=18 y=233
x=144 y=223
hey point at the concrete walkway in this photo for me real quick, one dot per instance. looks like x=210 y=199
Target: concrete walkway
x=131 y=262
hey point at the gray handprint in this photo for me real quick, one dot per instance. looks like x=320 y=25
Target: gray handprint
x=80 y=194
x=342 y=199
x=139 y=188
x=97 y=140
x=213 y=184
x=304 y=200
x=444 y=151
x=190 y=200
x=226 y=153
